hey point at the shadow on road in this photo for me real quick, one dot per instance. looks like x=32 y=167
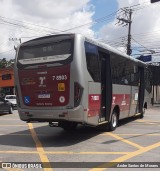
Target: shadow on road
x=57 y=137
x=50 y=137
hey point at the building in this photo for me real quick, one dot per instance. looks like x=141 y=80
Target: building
x=7 y=81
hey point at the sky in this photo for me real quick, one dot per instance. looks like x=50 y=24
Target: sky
x=24 y=20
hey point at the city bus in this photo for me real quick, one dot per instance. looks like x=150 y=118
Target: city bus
x=69 y=79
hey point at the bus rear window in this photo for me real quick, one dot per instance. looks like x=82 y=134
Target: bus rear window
x=53 y=51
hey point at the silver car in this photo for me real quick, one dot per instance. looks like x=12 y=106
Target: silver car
x=12 y=100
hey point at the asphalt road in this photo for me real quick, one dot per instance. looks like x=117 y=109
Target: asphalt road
x=135 y=140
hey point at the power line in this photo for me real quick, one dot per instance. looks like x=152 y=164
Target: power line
x=96 y=21
x=7 y=51
x=17 y=23
x=21 y=24
x=141 y=45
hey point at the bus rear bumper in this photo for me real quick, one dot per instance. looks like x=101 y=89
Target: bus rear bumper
x=76 y=115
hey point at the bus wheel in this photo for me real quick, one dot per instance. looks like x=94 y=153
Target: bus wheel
x=114 y=121
x=142 y=114
x=69 y=126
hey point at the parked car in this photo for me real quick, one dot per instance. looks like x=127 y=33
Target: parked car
x=5 y=106
x=12 y=100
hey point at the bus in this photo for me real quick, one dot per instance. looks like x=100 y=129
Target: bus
x=69 y=79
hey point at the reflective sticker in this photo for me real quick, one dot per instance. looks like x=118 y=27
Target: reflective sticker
x=27 y=100
x=94 y=97
x=28 y=81
x=62 y=99
x=61 y=87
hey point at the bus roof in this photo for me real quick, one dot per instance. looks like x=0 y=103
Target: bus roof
x=91 y=40
x=113 y=50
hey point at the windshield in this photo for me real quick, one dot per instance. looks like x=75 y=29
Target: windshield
x=10 y=97
x=42 y=51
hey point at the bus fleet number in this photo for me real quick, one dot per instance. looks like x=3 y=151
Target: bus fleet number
x=60 y=77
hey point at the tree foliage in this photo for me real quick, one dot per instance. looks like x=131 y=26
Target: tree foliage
x=4 y=63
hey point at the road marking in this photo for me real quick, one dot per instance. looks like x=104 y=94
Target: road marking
x=150 y=134
x=86 y=152
x=153 y=123
x=61 y=152
x=124 y=140
x=13 y=125
x=126 y=157
x=9 y=119
x=14 y=169
x=147 y=121
x=18 y=152
x=23 y=134
x=40 y=149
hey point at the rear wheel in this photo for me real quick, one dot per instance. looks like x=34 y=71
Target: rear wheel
x=112 y=125
x=114 y=121
x=142 y=114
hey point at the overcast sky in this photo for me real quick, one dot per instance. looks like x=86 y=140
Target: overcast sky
x=26 y=19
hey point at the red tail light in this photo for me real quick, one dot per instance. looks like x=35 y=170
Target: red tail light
x=78 y=90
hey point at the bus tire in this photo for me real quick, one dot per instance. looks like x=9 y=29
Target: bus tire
x=142 y=114
x=69 y=126
x=114 y=121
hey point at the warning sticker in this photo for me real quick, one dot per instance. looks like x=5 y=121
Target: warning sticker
x=61 y=87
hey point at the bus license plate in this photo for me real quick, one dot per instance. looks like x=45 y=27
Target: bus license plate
x=44 y=96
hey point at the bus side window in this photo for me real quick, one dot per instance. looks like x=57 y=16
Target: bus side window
x=135 y=79
x=118 y=70
x=92 y=61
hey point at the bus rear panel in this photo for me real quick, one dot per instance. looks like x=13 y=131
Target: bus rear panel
x=45 y=89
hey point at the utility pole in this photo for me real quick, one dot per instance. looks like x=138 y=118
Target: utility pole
x=14 y=40
x=127 y=20
x=129 y=50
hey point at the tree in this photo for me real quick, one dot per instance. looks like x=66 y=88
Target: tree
x=10 y=62
x=4 y=63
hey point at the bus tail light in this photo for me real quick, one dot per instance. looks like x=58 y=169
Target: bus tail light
x=78 y=90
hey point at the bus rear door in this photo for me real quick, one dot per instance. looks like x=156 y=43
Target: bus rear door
x=106 y=86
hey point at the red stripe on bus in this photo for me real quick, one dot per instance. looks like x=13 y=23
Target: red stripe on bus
x=94 y=105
